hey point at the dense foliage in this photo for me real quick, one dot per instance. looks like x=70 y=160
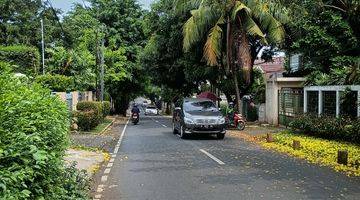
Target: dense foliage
x=106 y=107
x=89 y=114
x=327 y=35
x=57 y=83
x=33 y=139
x=24 y=59
x=328 y=127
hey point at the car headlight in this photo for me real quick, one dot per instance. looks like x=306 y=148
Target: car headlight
x=188 y=120
x=222 y=120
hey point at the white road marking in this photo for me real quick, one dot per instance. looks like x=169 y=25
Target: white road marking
x=212 y=157
x=104 y=178
x=163 y=125
x=107 y=170
x=156 y=121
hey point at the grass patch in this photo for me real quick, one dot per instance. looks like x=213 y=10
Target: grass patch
x=316 y=150
x=100 y=127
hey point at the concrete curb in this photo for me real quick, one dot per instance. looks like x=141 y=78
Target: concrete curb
x=105 y=129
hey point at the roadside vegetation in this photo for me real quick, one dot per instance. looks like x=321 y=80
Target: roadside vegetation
x=33 y=139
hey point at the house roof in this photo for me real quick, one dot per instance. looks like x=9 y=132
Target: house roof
x=276 y=66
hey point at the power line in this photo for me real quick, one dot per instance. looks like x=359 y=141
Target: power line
x=56 y=17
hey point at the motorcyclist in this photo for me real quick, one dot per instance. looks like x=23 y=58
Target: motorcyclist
x=135 y=109
x=230 y=111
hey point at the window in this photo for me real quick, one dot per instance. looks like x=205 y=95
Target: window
x=329 y=103
x=199 y=106
x=312 y=102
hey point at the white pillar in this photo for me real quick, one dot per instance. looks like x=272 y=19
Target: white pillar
x=358 y=103
x=305 y=101
x=337 y=103
x=320 y=107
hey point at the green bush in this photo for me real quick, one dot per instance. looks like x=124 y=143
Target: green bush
x=90 y=114
x=57 y=83
x=34 y=128
x=24 y=59
x=328 y=127
x=106 y=108
x=86 y=120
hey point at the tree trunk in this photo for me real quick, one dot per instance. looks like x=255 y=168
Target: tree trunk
x=229 y=46
x=244 y=53
x=237 y=91
x=230 y=64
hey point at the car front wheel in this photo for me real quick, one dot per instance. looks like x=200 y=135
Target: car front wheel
x=220 y=136
x=174 y=129
x=182 y=132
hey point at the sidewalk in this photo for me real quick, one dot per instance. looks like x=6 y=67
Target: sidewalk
x=85 y=160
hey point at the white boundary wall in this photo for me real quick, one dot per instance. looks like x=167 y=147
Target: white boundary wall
x=332 y=88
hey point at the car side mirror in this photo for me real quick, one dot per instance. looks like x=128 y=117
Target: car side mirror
x=177 y=108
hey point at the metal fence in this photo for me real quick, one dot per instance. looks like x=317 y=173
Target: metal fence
x=291 y=104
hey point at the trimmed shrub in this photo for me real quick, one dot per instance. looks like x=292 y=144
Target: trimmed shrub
x=106 y=106
x=328 y=127
x=25 y=59
x=86 y=120
x=57 y=83
x=34 y=130
x=90 y=114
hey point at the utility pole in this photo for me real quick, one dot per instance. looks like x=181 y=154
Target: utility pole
x=102 y=71
x=42 y=46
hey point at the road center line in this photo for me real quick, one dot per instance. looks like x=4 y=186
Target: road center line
x=163 y=125
x=212 y=157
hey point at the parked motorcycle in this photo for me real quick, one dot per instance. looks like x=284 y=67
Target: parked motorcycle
x=135 y=118
x=236 y=120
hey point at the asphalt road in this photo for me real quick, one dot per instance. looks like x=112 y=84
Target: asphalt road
x=154 y=164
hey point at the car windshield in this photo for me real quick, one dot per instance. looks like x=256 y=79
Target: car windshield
x=200 y=106
x=151 y=107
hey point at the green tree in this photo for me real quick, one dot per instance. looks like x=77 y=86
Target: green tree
x=20 y=23
x=326 y=33
x=229 y=27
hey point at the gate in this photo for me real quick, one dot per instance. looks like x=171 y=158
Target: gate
x=69 y=100
x=291 y=104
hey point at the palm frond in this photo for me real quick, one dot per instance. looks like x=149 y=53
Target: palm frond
x=197 y=25
x=212 y=48
x=253 y=29
x=186 y=5
x=237 y=8
x=270 y=16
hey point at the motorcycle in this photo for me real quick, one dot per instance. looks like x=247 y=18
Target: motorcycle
x=135 y=118
x=237 y=121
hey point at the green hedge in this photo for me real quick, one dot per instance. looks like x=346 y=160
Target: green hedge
x=89 y=114
x=106 y=106
x=34 y=130
x=57 y=83
x=86 y=120
x=25 y=59
x=328 y=127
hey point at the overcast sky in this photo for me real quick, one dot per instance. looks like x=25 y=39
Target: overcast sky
x=66 y=5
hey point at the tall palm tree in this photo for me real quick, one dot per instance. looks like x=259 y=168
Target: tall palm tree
x=228 y=26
